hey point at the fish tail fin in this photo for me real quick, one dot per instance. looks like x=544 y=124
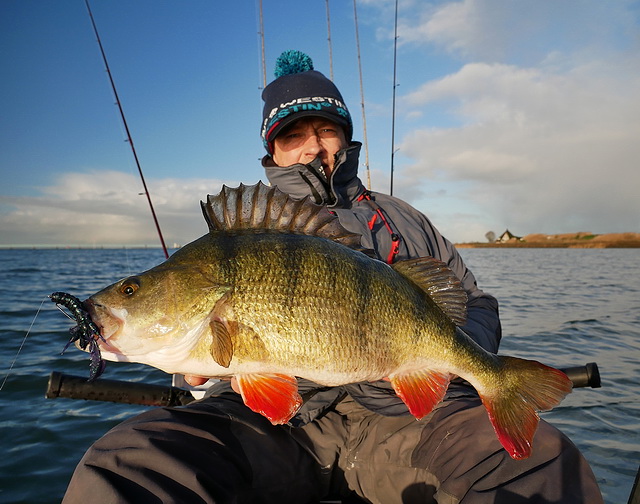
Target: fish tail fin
x=524 y=388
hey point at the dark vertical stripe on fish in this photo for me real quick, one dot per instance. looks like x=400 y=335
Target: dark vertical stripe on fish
x=294 y=268
x=363 y=287
x=229 y=246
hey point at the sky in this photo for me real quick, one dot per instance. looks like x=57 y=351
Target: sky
x=509 y=114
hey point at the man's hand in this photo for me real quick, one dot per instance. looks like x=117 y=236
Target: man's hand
x=194 y=381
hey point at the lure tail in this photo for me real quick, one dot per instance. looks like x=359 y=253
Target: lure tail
x=524 y=388
x=86 y=333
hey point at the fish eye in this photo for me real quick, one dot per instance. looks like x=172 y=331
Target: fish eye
x=129 y=286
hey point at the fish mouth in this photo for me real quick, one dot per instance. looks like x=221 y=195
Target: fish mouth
x=107 y=323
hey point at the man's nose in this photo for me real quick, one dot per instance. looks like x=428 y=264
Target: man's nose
x=312 y=144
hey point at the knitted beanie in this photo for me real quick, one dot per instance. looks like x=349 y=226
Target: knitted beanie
x=300 y=91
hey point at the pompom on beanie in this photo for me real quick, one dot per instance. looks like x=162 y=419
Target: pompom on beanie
x=300 y=91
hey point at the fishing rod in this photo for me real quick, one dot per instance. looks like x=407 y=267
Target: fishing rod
x=393 y=105
x=364 y=117
x=126 y=127
x=77 y=387
x=261 y=33
x=117 y=391
x=329 y=40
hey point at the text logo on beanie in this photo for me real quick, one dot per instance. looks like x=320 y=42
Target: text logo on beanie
x=299 y=91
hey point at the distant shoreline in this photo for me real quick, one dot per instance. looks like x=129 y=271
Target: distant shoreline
x=568 y=240
x=84 y=247
x=583 y=240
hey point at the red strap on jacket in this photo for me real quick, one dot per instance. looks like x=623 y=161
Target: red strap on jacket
x=395 y=237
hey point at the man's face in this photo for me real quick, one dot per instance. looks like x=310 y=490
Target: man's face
x=307 y=139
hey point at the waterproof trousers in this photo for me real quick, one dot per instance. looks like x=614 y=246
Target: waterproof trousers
x=217 y=450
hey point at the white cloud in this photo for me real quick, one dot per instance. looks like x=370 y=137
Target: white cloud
x=536 y=128
x=498 y=31
x=536 y=150
x=106 y=208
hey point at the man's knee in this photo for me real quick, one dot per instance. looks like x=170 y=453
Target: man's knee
x=460 y=447
x=215 y=450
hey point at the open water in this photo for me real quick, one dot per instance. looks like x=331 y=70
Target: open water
x=564 y=307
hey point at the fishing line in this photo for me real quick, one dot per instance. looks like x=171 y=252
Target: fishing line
x=22 y=345
x=64 y=312
x=129 y=262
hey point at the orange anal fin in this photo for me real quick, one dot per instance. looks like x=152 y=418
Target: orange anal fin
x=421 y=390
x=274 y=396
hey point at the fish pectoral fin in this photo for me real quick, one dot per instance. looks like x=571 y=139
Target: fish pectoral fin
x=274 y=396
x=222 y=342
x=420 y=390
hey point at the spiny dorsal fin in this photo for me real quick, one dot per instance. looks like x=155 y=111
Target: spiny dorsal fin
x=442 y=285
x=263 y=208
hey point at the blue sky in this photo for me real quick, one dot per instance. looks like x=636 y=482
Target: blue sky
x=515 y=114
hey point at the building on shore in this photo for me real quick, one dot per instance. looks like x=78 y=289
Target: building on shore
x=508 y=236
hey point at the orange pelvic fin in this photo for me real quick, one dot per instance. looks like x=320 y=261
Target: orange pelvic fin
x=274 y=396
x=527 y=387
x=421 y=390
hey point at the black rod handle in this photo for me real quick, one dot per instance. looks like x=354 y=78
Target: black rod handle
x=76 y=387
x=584 y=376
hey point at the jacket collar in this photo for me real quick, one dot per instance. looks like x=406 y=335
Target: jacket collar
x=302 y=180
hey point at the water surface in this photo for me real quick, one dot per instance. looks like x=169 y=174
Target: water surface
x=563 y=307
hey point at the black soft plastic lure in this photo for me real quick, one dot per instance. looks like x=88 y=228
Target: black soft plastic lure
x=86 y=333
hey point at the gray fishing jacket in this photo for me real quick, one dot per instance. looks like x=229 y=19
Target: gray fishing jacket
x=385 y=223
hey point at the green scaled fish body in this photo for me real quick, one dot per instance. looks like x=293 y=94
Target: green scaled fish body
x=278 y=289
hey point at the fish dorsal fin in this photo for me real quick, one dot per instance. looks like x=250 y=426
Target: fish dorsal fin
x=266 y=208
x=442 y=285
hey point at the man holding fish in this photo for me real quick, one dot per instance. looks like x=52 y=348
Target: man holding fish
x=353 y=377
